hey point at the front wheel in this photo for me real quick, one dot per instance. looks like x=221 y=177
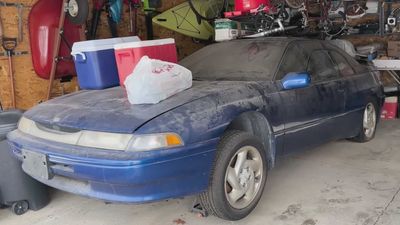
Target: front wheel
x=369 y=123
x=238 y=178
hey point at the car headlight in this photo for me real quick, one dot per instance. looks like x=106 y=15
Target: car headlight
x=103 y=140
x=129 y=142
x=154 y=141
x=94 y=139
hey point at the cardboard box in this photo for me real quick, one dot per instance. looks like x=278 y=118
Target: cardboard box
x=393 y=49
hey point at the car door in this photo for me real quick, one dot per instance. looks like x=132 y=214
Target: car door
x=310 y=110
x=357 y=81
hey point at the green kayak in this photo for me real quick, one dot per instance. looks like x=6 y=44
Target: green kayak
x=182 y=19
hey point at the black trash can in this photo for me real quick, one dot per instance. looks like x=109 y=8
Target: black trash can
x=17 y=189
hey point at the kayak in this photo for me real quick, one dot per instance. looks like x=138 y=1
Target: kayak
x=183 y=20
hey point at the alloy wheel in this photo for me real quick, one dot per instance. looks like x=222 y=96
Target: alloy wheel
x=369 y=121
x=243 y=177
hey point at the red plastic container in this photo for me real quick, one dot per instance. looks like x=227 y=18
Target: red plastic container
x=43 y=22
x=247 y=5
x=128 y=54
x=389 y=110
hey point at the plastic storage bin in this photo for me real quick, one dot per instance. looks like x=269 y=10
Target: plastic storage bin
x=95 y=62
x=17 y=189
x=247 y=5
x=128 y=55
x=389 y=109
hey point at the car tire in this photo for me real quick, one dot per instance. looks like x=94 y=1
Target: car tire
x=236 y=186
x=368 y=124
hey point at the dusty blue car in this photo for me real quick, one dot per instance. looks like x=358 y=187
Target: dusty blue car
x=251 y=102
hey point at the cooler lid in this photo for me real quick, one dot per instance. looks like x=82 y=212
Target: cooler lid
x=144 y=43
x=101 y=44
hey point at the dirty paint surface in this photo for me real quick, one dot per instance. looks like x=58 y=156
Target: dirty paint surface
x=366 y=175
x=286 y=120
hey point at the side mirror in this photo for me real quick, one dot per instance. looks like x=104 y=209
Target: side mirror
x=296 y=80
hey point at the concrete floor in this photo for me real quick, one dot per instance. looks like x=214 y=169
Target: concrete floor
x=341 y=183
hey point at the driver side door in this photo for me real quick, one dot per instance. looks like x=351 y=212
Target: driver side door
x=308 y=111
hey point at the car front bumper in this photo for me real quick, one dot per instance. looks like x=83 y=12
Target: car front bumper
x=115 y=176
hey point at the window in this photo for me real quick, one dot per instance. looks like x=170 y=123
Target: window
x=244 y=60
x=341 y=64
x=359 y=68
x=294 y=61
x=321 y=67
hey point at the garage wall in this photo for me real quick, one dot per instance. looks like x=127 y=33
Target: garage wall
x=30 y=89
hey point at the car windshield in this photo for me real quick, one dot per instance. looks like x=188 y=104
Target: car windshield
x=242 y=60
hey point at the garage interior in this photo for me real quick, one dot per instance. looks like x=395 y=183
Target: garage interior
x=341 y=182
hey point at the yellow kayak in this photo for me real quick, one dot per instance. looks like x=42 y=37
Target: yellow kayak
x=182 y=19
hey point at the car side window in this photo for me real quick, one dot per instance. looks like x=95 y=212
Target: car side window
x=294 y=61
x=321 y=66
x=358 y=68
x=341 y=64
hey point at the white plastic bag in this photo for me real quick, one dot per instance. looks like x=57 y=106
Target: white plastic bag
x=154 y=80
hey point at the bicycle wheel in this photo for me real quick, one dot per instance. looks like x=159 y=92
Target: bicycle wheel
x=337 y=24
x=295 y=4
x=208 y=9
x=355 y=11
x=335 y=5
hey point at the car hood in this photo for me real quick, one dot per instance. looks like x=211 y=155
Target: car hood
x=110 y=111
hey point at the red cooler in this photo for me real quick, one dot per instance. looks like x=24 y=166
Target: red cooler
x=128 y=54
x=247 y=5
x=389 y=109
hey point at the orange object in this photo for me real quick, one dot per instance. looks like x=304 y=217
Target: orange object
x=173 y=140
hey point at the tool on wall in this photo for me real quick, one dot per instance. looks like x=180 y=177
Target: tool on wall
x=114 y=16
x=20 y=7
x=59 y=36
x=149 y=7
x=134 y=6
x=114 y=11
x=56 y=49
x=96 y=13
x=9 y=45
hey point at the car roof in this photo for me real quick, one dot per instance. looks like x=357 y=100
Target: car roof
x=274 y=39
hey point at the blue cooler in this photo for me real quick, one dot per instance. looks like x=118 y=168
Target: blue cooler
x=95 y=62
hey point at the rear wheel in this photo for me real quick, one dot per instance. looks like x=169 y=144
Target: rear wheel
x=369 y=122
x=238 y=178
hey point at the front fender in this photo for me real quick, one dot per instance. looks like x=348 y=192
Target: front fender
x=204 y=119
x=256 y=124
